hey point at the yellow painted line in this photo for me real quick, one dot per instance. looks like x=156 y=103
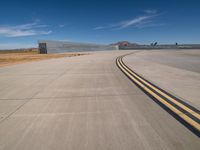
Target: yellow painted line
x=172 y=108
x=162 y=93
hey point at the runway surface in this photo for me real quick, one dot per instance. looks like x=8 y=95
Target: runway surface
x=187 y=114
x=176 y=71
x=82 y=103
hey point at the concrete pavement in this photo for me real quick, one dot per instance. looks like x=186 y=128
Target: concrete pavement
x=81 y=103
x=176 y=71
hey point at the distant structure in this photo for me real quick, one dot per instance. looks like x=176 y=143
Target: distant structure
x=43 y=48
x=154 y=44
x=46 y=46
x=125 y=44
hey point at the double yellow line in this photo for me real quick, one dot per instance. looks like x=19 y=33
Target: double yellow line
x=187 y=113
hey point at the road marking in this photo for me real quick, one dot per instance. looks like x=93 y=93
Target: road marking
x=162 y=93
x=183 y=110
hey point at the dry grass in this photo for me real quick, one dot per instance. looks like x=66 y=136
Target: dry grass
x=15 y=57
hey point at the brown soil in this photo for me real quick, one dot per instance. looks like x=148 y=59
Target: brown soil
x=11 y=58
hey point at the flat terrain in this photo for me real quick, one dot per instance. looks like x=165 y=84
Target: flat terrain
x=15 y=57
x=176 y=71
x=83 y=103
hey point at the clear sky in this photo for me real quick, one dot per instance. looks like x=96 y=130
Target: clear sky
x=22 y=22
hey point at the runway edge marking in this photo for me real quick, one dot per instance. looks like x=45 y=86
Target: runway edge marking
x=188 y=115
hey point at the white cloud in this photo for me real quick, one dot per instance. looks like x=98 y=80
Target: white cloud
x=61 y=26
x=28 y=29
x=140 y=21
x=110 y=26
x=135 y=21
x=99 y=28
x=150 y=11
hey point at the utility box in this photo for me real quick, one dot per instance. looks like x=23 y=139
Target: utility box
x=42 y=48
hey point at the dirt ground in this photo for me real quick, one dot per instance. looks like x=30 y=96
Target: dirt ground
x=11 y=58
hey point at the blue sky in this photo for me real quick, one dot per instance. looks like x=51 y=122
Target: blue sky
x=22 y=22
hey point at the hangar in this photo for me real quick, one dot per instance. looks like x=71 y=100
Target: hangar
x=46 y=46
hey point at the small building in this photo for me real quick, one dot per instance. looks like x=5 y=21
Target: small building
x=42 y=48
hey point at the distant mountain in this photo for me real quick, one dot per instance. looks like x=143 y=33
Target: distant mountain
x=124 y=43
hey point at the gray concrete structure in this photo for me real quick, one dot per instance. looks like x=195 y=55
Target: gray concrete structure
x=83 y=103
x=46 y=46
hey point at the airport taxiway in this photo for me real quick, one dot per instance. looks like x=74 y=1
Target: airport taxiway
x=82 y=103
